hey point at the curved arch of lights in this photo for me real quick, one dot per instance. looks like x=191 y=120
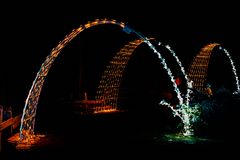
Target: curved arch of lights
x=108 y=88
x=29 y=111
x=198 y=69
x=30 y=107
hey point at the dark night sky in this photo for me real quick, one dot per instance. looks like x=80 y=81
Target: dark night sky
x=30 y=32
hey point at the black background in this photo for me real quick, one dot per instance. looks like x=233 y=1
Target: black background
x=30 y=31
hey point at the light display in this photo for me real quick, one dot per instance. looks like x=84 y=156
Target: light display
x=108 y=88
x=29 y=111
x=111 y=79
x=198 y=70
x=30 y=108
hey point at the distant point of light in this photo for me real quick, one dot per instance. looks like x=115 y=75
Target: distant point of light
x=127 y=30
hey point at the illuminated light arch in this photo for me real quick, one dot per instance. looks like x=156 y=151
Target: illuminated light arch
x=29 y=111
x=109 y=85
x=30 y=107
x=198 y=69
x=108 y=88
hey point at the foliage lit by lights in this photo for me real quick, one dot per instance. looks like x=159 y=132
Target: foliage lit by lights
x=198 y=74
x=190 y=113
